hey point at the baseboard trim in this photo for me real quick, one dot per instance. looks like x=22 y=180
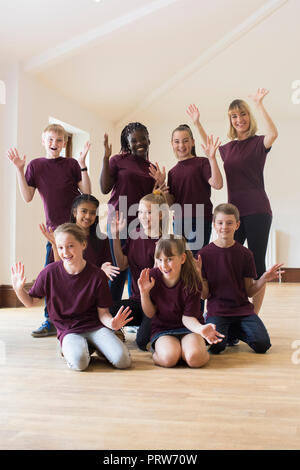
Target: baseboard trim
x=290 y=275
x=8 y=298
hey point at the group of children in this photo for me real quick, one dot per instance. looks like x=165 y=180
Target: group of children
x=85 y=272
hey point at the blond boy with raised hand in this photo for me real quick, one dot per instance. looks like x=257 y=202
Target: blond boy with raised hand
x=58 y=180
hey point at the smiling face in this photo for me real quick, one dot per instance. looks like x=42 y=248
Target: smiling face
x=182 y=144
x=138 y=143
x=85 y=215
x=240 y=121
x=150 y=217
x=170 y=265
x=225 y=226
x=54 y=143
x=70 y=251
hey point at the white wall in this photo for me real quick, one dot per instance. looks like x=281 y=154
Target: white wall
x=22 y=127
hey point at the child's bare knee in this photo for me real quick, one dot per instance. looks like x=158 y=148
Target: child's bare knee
x=197 y=359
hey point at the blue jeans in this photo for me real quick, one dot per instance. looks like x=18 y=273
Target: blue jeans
x=248 y=328
x=48 y=251
x=117 y=285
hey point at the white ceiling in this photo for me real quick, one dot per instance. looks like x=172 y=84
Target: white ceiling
x=118 y=58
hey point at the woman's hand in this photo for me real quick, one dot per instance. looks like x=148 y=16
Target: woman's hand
x=259 y=95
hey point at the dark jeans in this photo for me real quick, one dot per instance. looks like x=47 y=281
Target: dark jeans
x=255 y=229
x=48 y=251
x=139 y=319
x=249 y=329
x=117 y=285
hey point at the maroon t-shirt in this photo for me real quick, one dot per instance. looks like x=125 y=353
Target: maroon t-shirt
x=225 y=270
x=72 y=299
x=172 y=303
x=140 y=254
x=131 y=178
x=57 y=180
x=188 y=183
x=244 y=162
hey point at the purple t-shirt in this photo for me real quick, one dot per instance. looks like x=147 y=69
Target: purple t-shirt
x=72 y=299
x=171 y=304
x=140 y=254
x=57 y=182
x=131 y=178
x=225 y=270
x=244 y=162
x=188 y=183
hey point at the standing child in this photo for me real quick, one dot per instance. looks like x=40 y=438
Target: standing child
x=189 y=185
x=171 y=296
x=127 y=176
x=138 y=253
x=84 y=214
x=78 y=300
x=228 y=271
x=58 y=180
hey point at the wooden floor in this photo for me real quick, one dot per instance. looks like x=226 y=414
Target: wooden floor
x=240 y=400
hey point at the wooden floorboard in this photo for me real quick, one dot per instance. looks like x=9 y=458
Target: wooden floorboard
x=240 y=400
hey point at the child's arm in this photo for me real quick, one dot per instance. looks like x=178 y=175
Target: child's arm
x=117 y=322
x=272 y=133
x=117 y=225
x=207 y=331
x=204 y=283
x=216 y=179
x=145 y=285
x=252 y=286
x=27 y=192
x=106 y=181
x=194 y=114
x=85 y=184
x=18 y=282
x=50 y=237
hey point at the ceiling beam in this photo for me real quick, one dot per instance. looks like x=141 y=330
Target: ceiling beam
x=226 y=41
x=73 y=45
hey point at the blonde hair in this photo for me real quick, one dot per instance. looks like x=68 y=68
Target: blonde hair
x=228 y=209
x=73 y=229
x=241 y=105
x=58 y=129
x=157 y=198
x=188 y=273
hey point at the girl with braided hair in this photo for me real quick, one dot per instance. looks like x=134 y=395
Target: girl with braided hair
x=127 y=175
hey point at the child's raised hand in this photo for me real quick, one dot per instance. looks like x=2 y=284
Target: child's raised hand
x=49 y=234
x=259 y=95
x=121 y=319
x=118 y=223
x=194 y=113
x=198 y=265
x=145 y=283
x=209 y=333
x=110 y=270
x=211 y=147
x=17 y=276
x=15 y=158
x=273 y=272
x=107 y=147
x=83 y=155
x=157 y=174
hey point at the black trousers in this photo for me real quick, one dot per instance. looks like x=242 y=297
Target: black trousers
x=255 y=228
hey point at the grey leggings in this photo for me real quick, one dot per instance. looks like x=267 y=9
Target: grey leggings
x=75 y=348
